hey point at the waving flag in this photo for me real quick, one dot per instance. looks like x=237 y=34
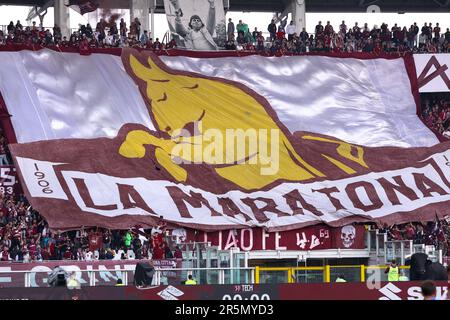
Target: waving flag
x=222 y=143
x=85 y=5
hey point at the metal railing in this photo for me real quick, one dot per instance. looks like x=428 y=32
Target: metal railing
x=177 y=276
x=328 y=274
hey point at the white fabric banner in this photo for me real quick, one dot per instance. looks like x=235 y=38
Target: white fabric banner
x=54 y=95
x=366 y=102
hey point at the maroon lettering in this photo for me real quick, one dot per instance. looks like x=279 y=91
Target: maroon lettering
x=270 y=206
x=400 y=186
x=87 y=199
x=196 y=200
x=292 y=199
x=427 y=186
x=231 y=209
x=335 y=201
x=376 y=203
x=130 y=198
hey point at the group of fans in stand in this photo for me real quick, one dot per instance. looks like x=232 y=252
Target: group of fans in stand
x=435 y=233
x=281 y=40
x=436 y=112
x=105 y=35
x=284 y=40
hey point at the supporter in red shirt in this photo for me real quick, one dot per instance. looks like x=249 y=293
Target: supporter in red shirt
x=178 y=254
x=95 y=241
x=280 y=35
x=84 y=47
x=158 y=252
x=68 y=255
x=329 y=29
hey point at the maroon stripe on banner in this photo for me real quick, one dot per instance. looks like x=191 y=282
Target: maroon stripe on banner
x=5 y=121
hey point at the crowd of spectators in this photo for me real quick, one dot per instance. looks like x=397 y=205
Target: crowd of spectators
x=436 y=112
x=105 y=35
x=435 y=233
x=284 y=39
x=277 y=40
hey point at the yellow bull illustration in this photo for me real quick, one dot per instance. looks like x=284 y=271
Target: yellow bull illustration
x=180 y=101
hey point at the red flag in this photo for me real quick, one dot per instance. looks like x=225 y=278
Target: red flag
x=85 y=5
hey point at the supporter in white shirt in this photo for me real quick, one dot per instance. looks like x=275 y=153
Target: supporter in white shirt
x=290 y=30
x=110 y=39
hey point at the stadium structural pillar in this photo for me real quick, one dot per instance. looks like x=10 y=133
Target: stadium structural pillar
x=152 y=22
x=62 y=17
x=299 y=14
x=140 y=9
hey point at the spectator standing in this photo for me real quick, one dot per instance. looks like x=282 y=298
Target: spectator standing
x=343 y=27
x=242 y=28
x=57 y=33
x=123 y=28
x=127 y=239
x=416 y=33
x=393 y=271
x=290 y=31
x=255 y=34
x=437 y=33
x=10 y=28
x=137 y=27
x=230 y=29
x=319 y=28
x=272 y=28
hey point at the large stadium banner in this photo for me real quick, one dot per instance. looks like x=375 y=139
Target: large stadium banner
x=220 y=148
x=433 y=72
x=197 y=24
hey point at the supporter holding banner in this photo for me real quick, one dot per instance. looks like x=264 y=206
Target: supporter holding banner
x=197 y=24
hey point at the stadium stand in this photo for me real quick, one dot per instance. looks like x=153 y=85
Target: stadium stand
x=377 y=40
